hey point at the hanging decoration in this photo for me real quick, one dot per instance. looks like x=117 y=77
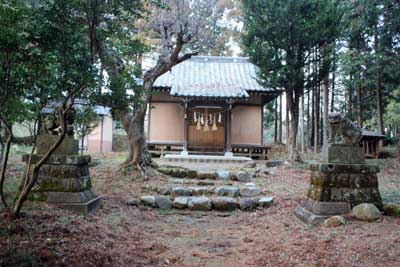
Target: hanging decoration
x=207 y=121
x=206 y=127
x=194 y=117
x=214 y=127
x=210 y=118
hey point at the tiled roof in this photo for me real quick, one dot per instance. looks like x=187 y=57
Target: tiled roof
x=205 y=76
x=371 y=133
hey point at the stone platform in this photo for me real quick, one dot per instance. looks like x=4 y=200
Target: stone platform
x=65 y=182
x=336 y=187
x=206 y=158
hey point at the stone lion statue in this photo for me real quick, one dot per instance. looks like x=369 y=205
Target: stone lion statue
x=342 y=130
x=52 y=123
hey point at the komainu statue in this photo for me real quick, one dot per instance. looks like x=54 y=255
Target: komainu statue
x=342 y=130
x=52 y=123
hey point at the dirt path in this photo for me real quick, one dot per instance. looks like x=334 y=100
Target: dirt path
x=123 y=235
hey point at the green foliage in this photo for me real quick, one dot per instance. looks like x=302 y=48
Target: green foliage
x=370 y=46
x=392 y=115
x=86 y=120
x=281 y=34
x=113 y=24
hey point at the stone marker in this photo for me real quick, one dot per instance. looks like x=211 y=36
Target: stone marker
x=248 y=203
x=366 y=212
x=342 y=180
x=266 y=202
x=334 y=221
x=148 y=200
x=199 y=203
x=224 y=203
x=163 y=202
x=180 y=202
x=230 y=191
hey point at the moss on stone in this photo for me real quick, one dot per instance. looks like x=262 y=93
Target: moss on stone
x=37 y=196
x=391 y=209
x=191 y=174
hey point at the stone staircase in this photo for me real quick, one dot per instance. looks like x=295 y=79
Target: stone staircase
x=205 y=190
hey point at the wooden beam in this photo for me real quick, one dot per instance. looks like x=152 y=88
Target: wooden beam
x=229 y=128
x=185 y=126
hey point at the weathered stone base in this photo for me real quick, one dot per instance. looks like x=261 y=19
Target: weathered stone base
x=335 y=188
x=348 y=183
x=83 y=208
x=308 y=217
x=340 y=153
x=65 y=181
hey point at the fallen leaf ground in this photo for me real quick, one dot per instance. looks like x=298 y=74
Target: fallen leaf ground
x=123 y=235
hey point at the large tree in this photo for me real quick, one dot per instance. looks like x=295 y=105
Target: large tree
x=280 y=37
x=176 y=24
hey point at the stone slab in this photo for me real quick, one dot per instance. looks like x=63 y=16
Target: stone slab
x=69 y=146
x=309 y=218
x=340 y=153
x=70 y=197
x=327 y=208
x=82 y=208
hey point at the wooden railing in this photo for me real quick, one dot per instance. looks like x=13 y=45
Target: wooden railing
x=159 y=149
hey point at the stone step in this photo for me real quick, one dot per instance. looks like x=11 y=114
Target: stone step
x=204 y=203
x=248 y=190
x=243 y=175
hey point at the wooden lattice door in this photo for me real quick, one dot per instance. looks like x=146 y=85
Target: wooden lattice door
x=206 y=129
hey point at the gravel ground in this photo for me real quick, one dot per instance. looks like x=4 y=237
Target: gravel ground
x=122 y=235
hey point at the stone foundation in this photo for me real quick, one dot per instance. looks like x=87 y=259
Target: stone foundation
x=65 y=181
x=336 y=187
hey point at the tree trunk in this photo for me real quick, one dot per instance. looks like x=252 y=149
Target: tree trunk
x=333 y=81
x=359 y=107
x=287 y=122
x=325 y=102
x=378 y=85
x=302 y=124
x=316 y=118
x=293 y=107
x=133 y=124
x=5 y=154
x=312 y=117
x=275 y=122
x=350 y=99
x=280 y=119
x=308 y=121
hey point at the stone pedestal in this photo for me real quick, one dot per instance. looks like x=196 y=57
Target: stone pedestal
x=64 y=180
x=336 y=187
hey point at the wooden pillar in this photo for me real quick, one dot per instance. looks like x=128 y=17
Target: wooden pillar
x=228 y=148
x=185 y=127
